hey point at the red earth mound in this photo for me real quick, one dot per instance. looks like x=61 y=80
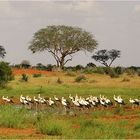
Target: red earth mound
x=29 y=71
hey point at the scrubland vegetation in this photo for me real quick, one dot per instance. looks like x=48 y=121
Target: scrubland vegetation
x=114 y=122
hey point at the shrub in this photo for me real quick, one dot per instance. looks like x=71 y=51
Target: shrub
x=130 y=72
x=80 y=78
x=59 y=81
x=99 y=70
x=36 y=75
x=138 y=72
x=91 y=65
x=49 y=127
x=93 y=81
x=79 y=67
x=119 y=111
x=8 y=114
x=24 y=77
x=5 y=74
x=69 y=73
x=49 y=67
x=137 y=126
x=111 y=72
x=125 y=79
x=25 y=64
x=119 y=70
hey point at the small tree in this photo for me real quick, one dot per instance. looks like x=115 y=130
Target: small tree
x=91 y=65
x=2 y=52
x=106 y=57
x=25 y=64
x=5 y=73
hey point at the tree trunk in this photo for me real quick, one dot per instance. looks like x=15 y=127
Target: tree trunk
x=62 y=63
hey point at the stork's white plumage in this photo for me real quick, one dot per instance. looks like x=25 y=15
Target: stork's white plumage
x=6 y=99
x=36 y=100
x=56 y=98
x=51 y=102
x=134 y=101
x=70 y=97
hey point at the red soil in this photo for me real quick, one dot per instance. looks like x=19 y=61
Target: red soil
x=20 y=132
x=28 y=71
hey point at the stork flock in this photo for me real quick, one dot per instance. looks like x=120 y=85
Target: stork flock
x=72 y=101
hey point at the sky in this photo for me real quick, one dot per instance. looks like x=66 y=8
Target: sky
x=114 y=24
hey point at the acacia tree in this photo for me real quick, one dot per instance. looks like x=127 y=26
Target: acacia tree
x=2 y=52
x=25 y=64
x=62 y=41
x=106 y=57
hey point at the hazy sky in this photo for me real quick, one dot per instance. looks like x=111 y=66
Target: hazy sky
x=114 y=25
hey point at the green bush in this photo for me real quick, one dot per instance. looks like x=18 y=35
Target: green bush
x=11 y=117
x=130 y=72
x=119 y=70
x=99 y=70
x=137 y=126
x=49 y=127
x=119 y=111
x=59 y=81
x=24 y=77
x=80 y=78
x=5 y=74
x=36 y=75
x=111 y=72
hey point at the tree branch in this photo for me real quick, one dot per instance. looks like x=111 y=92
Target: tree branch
x=70 y=59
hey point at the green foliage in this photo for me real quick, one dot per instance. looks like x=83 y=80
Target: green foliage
x=99 y=70
x=5 y=74
x=91 y=65
x=50 y=127
x=137 y=127
x=79 y=67
x=80 y=78
x=106 y=57
x=12 y=118
x=36 y=75
x=111 y=72
x=130 y=72
x=2 y=52
x=119 y=111
x=40 y=66
x=119 y=70
x=24 y=77
x=25 y=64
x=50 y=67
x=62 y=41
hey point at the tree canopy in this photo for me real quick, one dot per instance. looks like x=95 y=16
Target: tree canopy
x=62 y=41
x=5 y=73
x=2 y=52
x=106 y=57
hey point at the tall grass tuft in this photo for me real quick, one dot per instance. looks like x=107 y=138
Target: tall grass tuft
x=80 y=78
x=50 y=127
x=11 y=117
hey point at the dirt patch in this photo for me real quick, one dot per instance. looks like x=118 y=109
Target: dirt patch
x=20 y=132
x=124 y=117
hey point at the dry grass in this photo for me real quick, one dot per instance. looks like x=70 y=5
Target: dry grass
x=101 y=80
